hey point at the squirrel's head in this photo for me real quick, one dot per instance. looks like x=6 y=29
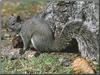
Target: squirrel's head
x=14 y=23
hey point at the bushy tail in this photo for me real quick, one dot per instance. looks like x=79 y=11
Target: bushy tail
x=87 y=41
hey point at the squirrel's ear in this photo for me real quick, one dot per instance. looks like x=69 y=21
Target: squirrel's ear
x=18 y=19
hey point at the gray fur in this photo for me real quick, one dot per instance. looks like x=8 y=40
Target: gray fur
x=37 y=31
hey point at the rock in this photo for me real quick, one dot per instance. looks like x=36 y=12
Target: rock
x=10 y=52
x=64 y=62
x=29 y=54
x=14 y=53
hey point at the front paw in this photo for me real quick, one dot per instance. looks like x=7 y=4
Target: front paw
x=37 y=54
x=22 y=51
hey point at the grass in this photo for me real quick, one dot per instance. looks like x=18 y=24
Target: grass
x=45 y=63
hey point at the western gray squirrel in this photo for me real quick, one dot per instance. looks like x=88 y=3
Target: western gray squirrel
x=38 y=32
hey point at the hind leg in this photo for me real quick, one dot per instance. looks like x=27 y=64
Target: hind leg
x=38 y=45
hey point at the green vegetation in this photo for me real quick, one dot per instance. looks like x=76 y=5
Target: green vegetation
x=29 y=6
x=45 y=63
x=95 y=66
x=25 y=3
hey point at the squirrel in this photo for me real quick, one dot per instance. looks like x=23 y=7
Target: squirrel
x=38 y=32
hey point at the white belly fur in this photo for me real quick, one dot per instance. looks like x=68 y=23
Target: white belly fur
x=33 y=43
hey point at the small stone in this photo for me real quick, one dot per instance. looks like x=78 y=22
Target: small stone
x=6 y=35
x=64 y=61
x=29 y=54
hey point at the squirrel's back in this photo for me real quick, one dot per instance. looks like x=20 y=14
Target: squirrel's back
x=41 y=34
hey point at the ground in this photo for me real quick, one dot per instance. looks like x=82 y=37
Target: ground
x=54 y=62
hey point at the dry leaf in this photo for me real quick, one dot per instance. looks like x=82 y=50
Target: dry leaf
x=81 y=65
